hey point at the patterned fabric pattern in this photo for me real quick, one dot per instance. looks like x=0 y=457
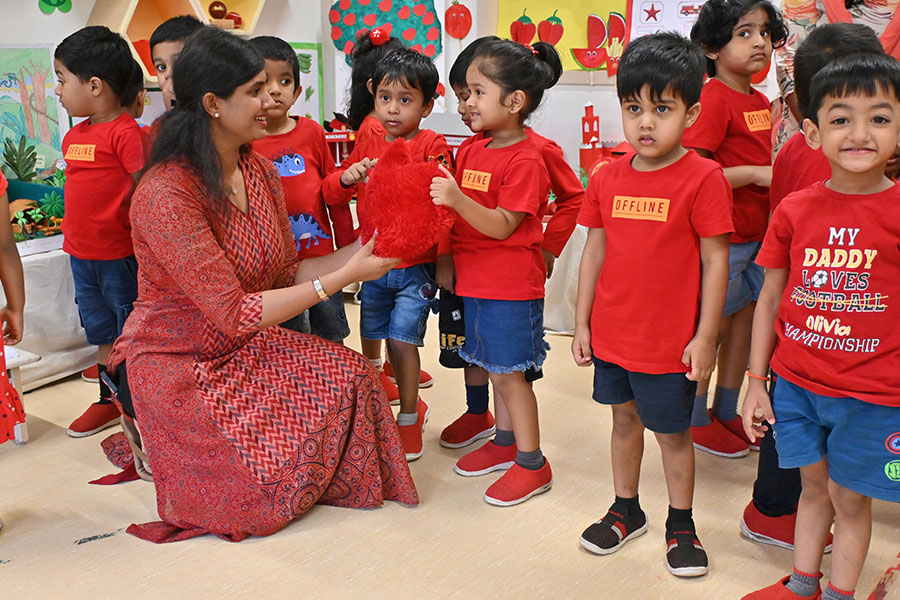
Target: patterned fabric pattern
x=245 y=428
x=11 y=410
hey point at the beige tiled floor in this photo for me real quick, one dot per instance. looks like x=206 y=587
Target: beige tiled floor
x=65 y=539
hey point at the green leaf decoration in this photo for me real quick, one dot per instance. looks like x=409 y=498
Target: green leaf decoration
x=48 y=6
x=20 y=158
x=305 y=63
x=53 y=205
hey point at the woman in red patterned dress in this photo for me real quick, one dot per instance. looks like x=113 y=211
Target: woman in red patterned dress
x=246 y=425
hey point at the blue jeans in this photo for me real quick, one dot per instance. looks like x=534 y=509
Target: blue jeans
x=504 y=336
x=396 y=305
x=105 y=291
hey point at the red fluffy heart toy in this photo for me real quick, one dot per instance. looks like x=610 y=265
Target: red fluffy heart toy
x=399 y=204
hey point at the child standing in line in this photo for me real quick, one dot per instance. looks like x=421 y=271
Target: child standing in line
x=13 y=280
x=651 y=286
x=166 y=43
x=103 y=155
x=297 y=147
x=396 y=306
x=827 y=325
x=500 y=195
x=478 y=422
x=735 y=129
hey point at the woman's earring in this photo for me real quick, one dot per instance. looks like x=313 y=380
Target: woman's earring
x=216 y=115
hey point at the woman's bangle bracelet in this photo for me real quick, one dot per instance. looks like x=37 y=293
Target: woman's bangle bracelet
x=752 y=376
x=319 y=289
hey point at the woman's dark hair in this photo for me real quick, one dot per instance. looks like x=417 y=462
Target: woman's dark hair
x=95 y=51
x=662 y=61
x=825 y=44
x=860 y=73
x=457 y=75
x=513 y=67
x=718 y=18
x=275 y=48
x=364 y=57
x=176 y=29
x=212 y=61
x=410 y=67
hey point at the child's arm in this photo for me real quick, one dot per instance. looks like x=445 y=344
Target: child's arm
x=588 y=273
x=762 y=344
x=569 y=194
x=13 y=281
x=338 y=186
x=700 y=353
x=742 y=175
x=497 y=223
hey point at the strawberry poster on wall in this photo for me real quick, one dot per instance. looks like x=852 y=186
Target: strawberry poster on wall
x=589 y=34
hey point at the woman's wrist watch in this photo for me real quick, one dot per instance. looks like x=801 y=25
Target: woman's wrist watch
x=320 y=291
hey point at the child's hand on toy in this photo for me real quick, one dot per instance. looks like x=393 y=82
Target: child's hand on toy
x=13 y=324
x=757 y=399
x=357 y=172
x=446 y=273
x=444 y=189
x=700 y=356
x=581 y=346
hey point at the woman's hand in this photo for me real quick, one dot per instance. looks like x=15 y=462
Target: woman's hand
x=444 y=190
x=357 y=172
x=13 y=325
x=365 y=266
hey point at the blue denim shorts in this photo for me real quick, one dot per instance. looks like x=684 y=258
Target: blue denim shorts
x=859 y=440
x=745 y=277
x=105 y=291
x=396 y=306
x=505 y=336
x=664 y=402
x=327 y=319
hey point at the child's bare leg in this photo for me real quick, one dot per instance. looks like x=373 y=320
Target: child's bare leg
x=734 y=350
x=677 y=452
x=852 y=532
x=475 y=376
x=519 y=401
x=405 y=362
x=626 y=449
x=815 y=514
x=103 y=353
x=371 y=349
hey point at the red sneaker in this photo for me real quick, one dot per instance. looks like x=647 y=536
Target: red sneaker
x=91 y=374
x=425 y=379
x=393 y=394
x=96 y=418
x=776 y=531
x=411 y=435
x=779 y=591
x=486 y=459
x=736 y=426
x=518 y=485
x=716 y=439
x=467 y=429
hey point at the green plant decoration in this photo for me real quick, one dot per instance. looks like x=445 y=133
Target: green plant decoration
x=21 y=159
x=52 y=204
x=36 y=215
x=48 y=6
x=305 y=63
x=22 y=221
x=58 y=179
x=308 y=93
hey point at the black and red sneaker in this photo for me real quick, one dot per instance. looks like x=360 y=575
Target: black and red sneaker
x=617 y=527
x=685 y=556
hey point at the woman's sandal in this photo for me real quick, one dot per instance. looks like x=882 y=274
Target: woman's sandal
x=141 y=462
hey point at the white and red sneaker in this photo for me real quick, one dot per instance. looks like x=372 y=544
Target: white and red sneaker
x=411 y=435
x=96 y=418
x=518 y=485
x=486 y=459
x=468 y=429
x=425 y=378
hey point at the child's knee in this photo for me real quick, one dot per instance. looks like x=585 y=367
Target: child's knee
x=674 y=441
x=846 y=501
x=626 y=418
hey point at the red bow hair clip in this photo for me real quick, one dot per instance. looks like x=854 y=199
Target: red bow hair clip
x=531 y=48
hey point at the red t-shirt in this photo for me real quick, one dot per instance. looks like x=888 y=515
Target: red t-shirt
x=796 y=166
x=564 y=184
x=427 y=144
x=369 y=128
x=737 y=129
x=303 y=160
x=100 y=160
x=837 y=321
x=647 y=300
x=513 y=178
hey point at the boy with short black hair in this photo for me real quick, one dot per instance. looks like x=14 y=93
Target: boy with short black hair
x=651 y=286
x=396 y=306
x=103 y=155
x=297 y=147
x=166 y=43
x=827 y=321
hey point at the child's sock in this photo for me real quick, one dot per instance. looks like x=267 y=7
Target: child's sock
x=832 y=593
x=699 y=415
x=679 y=520
x=477 y=399
x=630 y=505
x=504 y=438
x=803 y=584
x=407 y=418
x=105 y=392
x=377 y=363
x=533 y=461
x=725 y=403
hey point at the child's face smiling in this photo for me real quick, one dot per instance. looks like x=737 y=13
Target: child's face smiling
x=654 y=127
x=750 y=47
x=400 y=108
x=487 y=107
x=857 y=133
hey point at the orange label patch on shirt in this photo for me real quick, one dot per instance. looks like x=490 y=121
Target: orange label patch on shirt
x=642 y=209
x=476 y=180
x=83 y=152
x=758 y=120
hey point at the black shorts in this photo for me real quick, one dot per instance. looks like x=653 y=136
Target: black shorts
x=664 y=402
